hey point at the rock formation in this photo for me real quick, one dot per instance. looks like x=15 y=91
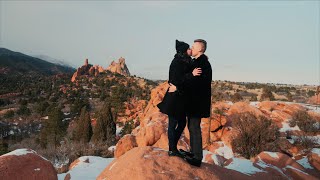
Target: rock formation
x=120 y=67
x=83 y=70
x=25 y=164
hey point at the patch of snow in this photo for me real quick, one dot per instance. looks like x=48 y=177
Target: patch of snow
x=205 y=152
x=213 y=156
x=286 y=127
x=264 y=165
x=11 y=132
x=288 y=166
x=305 y=163
x=158 y=149
x=118 y=130
x=66 y=113
x=311 y=108
x=66 y=119
x=21 y=152
x=229 y=102
x=254 y=103
x=224 y=151
x=38 y=169
x=291 y=141
x=244 y=166
x=272 y=154
x=84 y=171
x=112 y=148
x=316 y=151
x=315 y=138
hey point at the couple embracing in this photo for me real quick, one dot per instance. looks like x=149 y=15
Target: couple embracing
x=188 y=98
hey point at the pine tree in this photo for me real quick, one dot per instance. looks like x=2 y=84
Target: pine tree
x=53 y=129
x=105 y=129
x=3 y=147
x=84 y=128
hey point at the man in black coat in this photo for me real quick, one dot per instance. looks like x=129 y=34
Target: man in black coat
x=198 y=102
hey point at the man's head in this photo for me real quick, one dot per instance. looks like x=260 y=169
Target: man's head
x=199 y=47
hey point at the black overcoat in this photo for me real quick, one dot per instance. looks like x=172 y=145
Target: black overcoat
x=174 y=104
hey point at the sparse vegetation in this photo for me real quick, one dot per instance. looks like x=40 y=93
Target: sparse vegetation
x=254 y=134
x=305 y=122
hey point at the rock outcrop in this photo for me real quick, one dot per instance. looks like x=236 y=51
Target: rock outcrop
x=154 y=163
x=87 y=69
x=83 y=70
x=153 y=124
x=25 y=164
x=120 y=67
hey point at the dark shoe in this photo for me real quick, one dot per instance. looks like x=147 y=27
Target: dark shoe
x=175 y=153
x=186 y=153
x=193 y=161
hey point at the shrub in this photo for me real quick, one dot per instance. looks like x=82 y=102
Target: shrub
x=127 y=128
x=267 y=94
x=24 y=110
x=304 y=121
x=305 y=142
x=253 y=134
x=236 y=97
x=9 y=114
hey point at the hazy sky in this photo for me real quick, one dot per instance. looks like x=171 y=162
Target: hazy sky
x=247 y=41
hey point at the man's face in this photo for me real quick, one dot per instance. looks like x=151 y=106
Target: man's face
x=196 y=49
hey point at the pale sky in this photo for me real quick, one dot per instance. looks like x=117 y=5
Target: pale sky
x=264 y=41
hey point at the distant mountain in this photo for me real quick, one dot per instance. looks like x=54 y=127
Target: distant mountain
x=18 y=63
x=54 y=61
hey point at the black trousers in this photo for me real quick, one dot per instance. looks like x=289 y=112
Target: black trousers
x=195 y=137
x=175 y=129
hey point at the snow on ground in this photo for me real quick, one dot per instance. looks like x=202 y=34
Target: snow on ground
x=112 y=148
x=118 y=130
x=305 y=163
x=224 y=151
x=229 y=102
x=311 y=108
x=286 y=127
x=21 y=152
x=291 y=167
x=315 y=138
x=272 y=154
x=244 y=166
x=213 y=156
x=316 y=151
x=87 y=171
x=254 y=103
x=308 y=106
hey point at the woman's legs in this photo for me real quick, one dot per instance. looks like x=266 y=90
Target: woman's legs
x=181 y=125
x=171 y=133
x=175 y=129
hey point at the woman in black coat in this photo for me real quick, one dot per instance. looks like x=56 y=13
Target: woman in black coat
x=174 y=103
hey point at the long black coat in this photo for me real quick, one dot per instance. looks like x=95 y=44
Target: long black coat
x=174 y=103
x=198 y=90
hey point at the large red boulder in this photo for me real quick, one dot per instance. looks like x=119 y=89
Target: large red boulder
x=154 y=163
x=25 y=164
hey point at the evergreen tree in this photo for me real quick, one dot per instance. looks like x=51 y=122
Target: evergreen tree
x=105 y=129
x=84 y=128
x=53 y=129
x=3 y=147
